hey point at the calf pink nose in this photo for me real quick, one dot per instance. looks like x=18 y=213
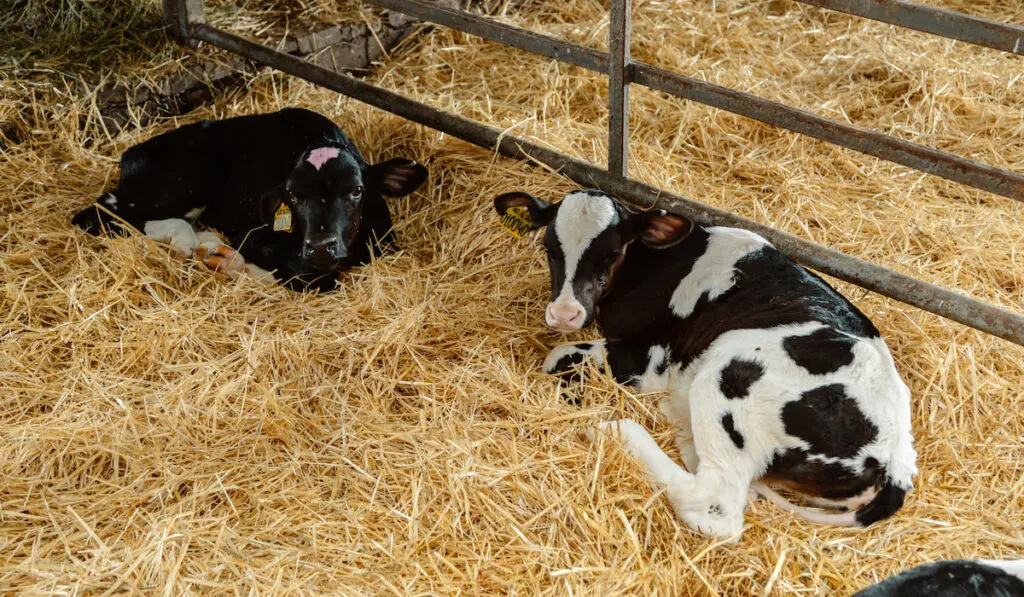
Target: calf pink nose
x=565 y=316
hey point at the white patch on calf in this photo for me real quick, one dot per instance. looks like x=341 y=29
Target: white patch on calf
x=581 y=217
x=1011 y=567
x=714 y=272
x=110 y=200
x=176 y=232
x=319 y=156
x=650 y=380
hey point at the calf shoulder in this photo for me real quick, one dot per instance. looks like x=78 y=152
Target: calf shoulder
x=730 y=280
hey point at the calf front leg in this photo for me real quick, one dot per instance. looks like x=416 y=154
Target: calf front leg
x=710 y=502
x=219 y=257
x=627 y=363
x=176 y=232
x=564 y=360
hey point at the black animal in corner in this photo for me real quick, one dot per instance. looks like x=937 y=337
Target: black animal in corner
x=287 y=189
x=954 y=578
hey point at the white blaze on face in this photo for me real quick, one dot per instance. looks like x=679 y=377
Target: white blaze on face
x=581 y=217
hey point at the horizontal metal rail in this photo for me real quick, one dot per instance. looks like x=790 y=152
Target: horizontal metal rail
x=940 y=301
x=937 y=21
x=919 y=157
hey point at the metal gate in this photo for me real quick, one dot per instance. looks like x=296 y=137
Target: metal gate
x=188 y=25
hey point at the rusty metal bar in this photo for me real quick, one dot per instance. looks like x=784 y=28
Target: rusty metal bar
x=919 y=157
x=618 y=87
x=940 y=301
x=937 y=21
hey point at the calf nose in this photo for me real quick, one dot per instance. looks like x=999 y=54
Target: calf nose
x=565 y=316
x=323 y=249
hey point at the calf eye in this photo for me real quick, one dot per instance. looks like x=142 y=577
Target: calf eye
x=357 y=193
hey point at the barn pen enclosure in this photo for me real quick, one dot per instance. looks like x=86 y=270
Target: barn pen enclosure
x=166 y=429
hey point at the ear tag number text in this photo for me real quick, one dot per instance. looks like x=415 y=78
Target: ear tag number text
x=517 y=221
x=283 y=219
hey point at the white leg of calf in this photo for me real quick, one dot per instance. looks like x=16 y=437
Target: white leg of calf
x=702 y=501
x=662 y=469
x=587 y=351
x=174 y=231
x=845 y=519
x=677 y=411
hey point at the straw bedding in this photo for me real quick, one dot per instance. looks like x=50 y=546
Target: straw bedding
x=165 y=429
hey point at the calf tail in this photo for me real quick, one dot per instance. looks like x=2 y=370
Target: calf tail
x=97 y=218
x=885 y=503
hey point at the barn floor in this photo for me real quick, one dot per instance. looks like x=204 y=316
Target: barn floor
x=168 y=429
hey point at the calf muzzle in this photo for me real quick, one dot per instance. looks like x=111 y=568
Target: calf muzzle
x=565 y=317
x=323 y=251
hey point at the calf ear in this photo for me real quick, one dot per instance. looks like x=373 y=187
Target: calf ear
x=661 y=229
x=397 y=177
x=541 y=212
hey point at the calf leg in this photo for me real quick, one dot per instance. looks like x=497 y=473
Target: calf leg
x=205 y=246
x=676 y=409
x=219 y=257
x=176 y=232
x=564 y=359
x=710 y=502
x=629 y=364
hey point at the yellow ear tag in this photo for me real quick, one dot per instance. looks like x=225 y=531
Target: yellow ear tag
x=283 y=219
x=517 y=221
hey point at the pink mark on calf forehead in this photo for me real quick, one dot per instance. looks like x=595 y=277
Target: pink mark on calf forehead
x=319 y=156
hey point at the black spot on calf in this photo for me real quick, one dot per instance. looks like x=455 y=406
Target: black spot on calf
x=738 y=376
x=796 y=471
x=730 y=428
x=823 y=351
x=829 y=421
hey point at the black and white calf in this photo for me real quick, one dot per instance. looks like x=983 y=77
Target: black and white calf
x=954 y=578
x=775 y=379
x=288 y=189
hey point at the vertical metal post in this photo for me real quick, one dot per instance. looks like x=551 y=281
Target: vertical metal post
x=618 y=87
x=179 y=16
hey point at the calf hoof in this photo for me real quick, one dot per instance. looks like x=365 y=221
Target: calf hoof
x=222 y=259
x=216 y=255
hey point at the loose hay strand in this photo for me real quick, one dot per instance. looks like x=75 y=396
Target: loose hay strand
x=168 y=429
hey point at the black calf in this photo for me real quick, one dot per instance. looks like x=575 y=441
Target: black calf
x=288 y=189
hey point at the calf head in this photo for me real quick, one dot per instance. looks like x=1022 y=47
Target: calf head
x=587 y=236
x=321 y=203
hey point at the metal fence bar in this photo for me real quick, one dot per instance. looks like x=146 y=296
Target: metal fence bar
x=491 y=30
x=937 y=21
x=618 y=87
x=179 y=15
x=919 y=157
x=940 y=301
